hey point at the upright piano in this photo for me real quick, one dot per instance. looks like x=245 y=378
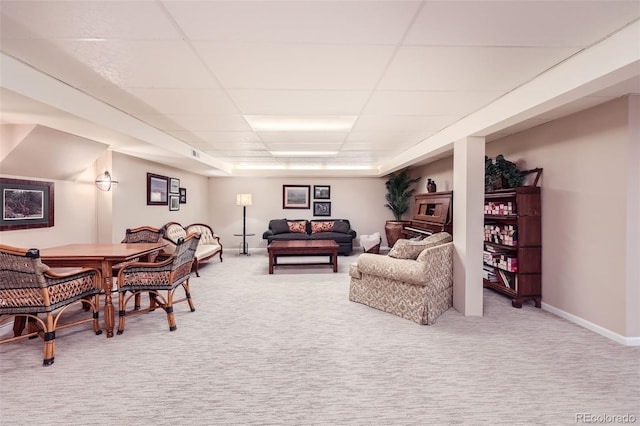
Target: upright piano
x=432 y=212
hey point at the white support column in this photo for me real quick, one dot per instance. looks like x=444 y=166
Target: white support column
x=468 y=224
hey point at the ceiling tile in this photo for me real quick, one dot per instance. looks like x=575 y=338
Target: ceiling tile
x=519 y=23
x=211 y=122
x=428 y=102
x=228 y=137
x=361 y=22
x=468 y=68
x=295 y=66
x=299 y=102
x=302 y=137
x=133 y=20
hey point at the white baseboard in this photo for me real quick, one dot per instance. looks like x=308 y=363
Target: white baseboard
x=627 y=341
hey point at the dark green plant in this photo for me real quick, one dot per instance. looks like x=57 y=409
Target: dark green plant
x=501 y=168
x=398 y=193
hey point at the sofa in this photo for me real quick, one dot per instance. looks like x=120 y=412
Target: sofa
x=413 y=281
x=338 y=230
x=208 y=246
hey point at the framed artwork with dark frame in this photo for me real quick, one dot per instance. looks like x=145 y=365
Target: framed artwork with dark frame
x=321 y=192
x=157 y=190
x=26 y=204
x=183 y=195
x=174 y=185
x=322 y=208
x=174 y=202
x=296 y=196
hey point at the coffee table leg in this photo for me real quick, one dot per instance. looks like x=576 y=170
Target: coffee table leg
x=335 y=261
x=270 y=262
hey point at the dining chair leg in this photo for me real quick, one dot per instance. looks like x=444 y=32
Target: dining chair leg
x=169 y=310
x=187 y=292
x=49 y=341
x=96 y=315
x=121 y=312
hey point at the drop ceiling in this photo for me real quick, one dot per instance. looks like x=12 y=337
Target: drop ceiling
x=181 y=82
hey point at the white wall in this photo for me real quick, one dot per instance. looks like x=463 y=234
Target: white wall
x=130 y=207
x=360 y=200
x=74 y=216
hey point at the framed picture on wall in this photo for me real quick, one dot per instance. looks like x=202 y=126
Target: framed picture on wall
x=157 y=190
x=295 y=196
x=183 y=195
x=174 y=185
x=26 y=204
x=322 y=208
x=174 y=202
x=321 y=192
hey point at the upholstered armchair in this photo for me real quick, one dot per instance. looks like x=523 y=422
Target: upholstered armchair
x=28 y=288
x=414 y=281
x=153 y=278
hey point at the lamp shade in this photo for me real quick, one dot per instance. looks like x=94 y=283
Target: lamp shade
x=105 y=181
x=243 y=199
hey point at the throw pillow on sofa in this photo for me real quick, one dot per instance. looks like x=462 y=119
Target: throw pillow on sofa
x=279 y=226
x=340 y=226
x=321 y=227
x=299 y=226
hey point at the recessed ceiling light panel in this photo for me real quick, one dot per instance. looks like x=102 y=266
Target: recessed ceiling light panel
x=288 y=123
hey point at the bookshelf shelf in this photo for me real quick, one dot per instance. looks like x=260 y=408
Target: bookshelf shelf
x=513 y=244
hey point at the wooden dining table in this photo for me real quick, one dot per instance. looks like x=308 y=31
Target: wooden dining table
x=102 y=257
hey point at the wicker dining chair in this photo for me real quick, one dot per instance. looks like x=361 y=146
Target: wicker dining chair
x=140 y=235
x=29 y=288
x=152 y=278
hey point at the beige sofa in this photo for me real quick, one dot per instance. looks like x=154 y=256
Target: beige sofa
x=414 y=281
x=208 y=247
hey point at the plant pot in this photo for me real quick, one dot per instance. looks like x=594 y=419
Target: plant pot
x=393 y=231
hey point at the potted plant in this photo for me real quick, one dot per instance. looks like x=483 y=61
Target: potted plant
x=500 y=174
x=398 y=198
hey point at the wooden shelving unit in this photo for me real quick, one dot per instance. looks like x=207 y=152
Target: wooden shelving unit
x=513 y=244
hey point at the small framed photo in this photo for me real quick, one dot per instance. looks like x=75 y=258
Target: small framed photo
x=157 y=190
x=322 y=208
x=295 y=196
x=321 y=192
x=26 y=204
x=174 y=185
x=183 y=195
x=174 y=202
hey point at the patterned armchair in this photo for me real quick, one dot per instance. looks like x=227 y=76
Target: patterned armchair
x=29 y=288
x=415 y=281
x=153 y=278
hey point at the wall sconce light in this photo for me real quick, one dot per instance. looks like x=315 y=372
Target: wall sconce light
x=105 y=181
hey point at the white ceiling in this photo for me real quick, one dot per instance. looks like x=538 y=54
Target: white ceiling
x=172 y=81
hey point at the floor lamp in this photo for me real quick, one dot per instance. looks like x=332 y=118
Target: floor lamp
x=244 y=200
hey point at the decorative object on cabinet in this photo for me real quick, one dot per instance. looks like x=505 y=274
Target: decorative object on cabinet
x=295 y=196
x=106 y=181
x=322 y=208
x=501 y=174
x=157 y=190
x=513 y=243
x=398 y=196
x=321 y=192
x=431 y=185
x=26 y=204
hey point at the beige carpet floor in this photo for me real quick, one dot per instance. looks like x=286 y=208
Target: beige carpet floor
x=291 y=349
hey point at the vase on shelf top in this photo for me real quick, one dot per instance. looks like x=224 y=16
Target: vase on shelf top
x=431 y=185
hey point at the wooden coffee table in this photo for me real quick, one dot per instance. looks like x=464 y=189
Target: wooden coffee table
x=303 y=247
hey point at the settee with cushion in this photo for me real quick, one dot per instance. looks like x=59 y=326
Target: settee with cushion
x=413 y=281
x=338 y=230
x=208 y=246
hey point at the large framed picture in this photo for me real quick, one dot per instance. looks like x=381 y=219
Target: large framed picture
x=295 y=196
x=26 y=204
x=322 y=208
x=321 y=192
x=157 y=190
